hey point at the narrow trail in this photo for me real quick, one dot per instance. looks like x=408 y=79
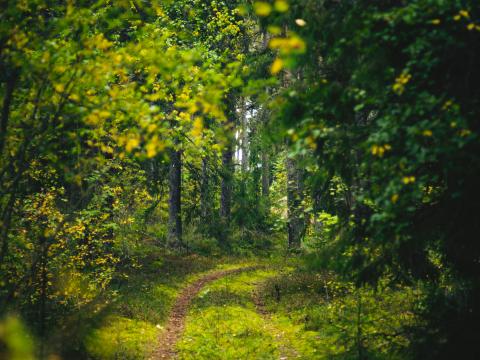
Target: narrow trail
x=176 y=321
x=286 y=351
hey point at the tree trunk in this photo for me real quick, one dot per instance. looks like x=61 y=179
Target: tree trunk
x=265 y=175
x=174 y=237
x=227 y=164
x=226 y=187
x=205 y=200
x=296 y=218
x=7 y=101
x=244 y=134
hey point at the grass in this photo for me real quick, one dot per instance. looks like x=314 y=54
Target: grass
x=334 y=320
x=132 y=325
x=122 y=338
x=309 y=315
x=223 y=322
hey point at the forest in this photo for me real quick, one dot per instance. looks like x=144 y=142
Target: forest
x=239 y=179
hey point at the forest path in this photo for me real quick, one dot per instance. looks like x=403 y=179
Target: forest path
x=176 y=321
x=228 y=320
x=286 y=349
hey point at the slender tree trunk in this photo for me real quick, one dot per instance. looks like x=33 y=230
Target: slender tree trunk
x=265 y=175
x=7 y=101
x=226 y=186
x=244 y=134
x=296 y=217
x=174 y=238
x=43 y=297
x=227 y=166
x=205 y=192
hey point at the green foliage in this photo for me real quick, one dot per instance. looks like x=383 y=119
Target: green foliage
x=368 y=110
x=347 y=322
x=15 y=341
x=93 y=94
x=380 y=103
x=199 y=243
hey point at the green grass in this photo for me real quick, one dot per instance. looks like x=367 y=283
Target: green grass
x=327 y=315
x=122 y=338
x=131 y=326
x=224 y=324
x=310 y=315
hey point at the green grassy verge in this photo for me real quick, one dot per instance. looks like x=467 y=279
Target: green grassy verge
x=131 y=326
x=223 y=322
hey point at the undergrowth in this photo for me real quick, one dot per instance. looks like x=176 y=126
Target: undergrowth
x=132 y=324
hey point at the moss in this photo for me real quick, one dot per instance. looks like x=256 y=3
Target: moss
x=223 y=322
x=227 y=332
x=122 y=338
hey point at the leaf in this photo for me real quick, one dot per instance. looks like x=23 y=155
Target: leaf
x=262 y=8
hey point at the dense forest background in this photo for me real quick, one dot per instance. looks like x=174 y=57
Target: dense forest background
x=336 y=141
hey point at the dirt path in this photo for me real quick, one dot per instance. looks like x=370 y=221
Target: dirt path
x=176 y=321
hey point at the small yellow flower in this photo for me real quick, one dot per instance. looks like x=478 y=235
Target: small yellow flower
x=427 y=133
x=394 y=198
x=435 y=22
x=464 y=13
x=471 y=26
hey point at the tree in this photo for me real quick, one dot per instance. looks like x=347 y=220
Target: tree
x=175 y=200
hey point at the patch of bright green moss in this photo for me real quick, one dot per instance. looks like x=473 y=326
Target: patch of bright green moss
x=122 y=338
x=227 y=332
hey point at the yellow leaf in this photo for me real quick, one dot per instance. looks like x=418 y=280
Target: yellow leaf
x=262 y=8
x=281 y=5
x=151 y=150
x=275 y=30
x=74 y=97
x=408 y=180
x=277 y=66
x=59 y=88
x=132 y=143
x=197 y=127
